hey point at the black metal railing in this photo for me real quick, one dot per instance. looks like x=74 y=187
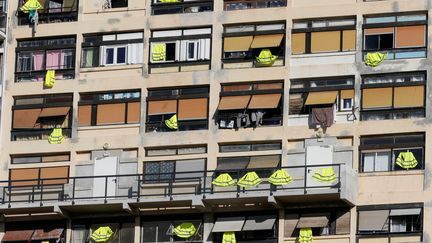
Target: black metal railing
x=159 y=8
x=406 y=113
x=250 y=4
x=36 y=134
x=39 y=76
x=139 y=187
x=400 y=53
x=50 y=15
x=182 y=126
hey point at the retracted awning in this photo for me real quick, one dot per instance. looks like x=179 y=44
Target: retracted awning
x=228 y=224
x=264 y=101
x=407 y=211
x=17 y=235
x=261 y=222
x=265 y=41
x=321 y=98
x=234 y=102
x=313 y=220
x=54 y=111
x=41 y=234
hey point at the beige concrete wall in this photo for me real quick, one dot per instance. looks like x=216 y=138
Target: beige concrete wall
x=382 y=188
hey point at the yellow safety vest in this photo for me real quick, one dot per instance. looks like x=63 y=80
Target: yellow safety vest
x=159 y=52
x=49 y=79
x=266 y=58
x=56 y=136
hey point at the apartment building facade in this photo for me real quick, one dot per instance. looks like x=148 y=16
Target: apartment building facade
x=204 y=121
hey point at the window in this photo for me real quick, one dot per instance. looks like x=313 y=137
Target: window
x=387 y=152
x=34 y=57
x=34 y=117
x=248 y=227
x=174 y=170
x=391 y=223
x=162 y=230
x=197 y=149
x=245 y=42
x=39 y=176
x=400 y=36
x=250 y=4
x=330 y=221
x=264 y=165
x=244 y=147
x=123 y=230
x=112 y=49
x=190 y=105
x=53 y=11
x=180 y=46
x=115 y=4
x=246 y=105
x=307 y=94
x=324 y=35
x=195 y=6
x=393 y=96
x=40 y=158
x=109 y=108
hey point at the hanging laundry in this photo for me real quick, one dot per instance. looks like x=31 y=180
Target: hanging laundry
x=172 y=122
x=228 y=237
x=242 y=120
x=325 y=175
x=305 y=235
x=280 y=178
x=256 y=118
x=56 y=136
x=406 y=160
x=159 y=52
x=323 y=116
x=266 y=58
x=185 y=230
x=49 y=79
x=375 y=59
x=223 y=180
x=250 y=179
x=31 y=5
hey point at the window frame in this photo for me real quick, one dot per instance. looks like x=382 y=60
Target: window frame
x=309 y=29
x=307 y=88
x=390 y=147
x=392 y=112
x=96 y=100
x=394 y=24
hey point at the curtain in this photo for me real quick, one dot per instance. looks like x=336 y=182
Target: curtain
x=53 y=59
x=38 y=60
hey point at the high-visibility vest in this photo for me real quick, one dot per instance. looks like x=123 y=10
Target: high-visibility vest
x=406 y=160
x=250 y=179
x=56 y=136
x=31 y=5
x=266 y=58
x=172 y=123
x=223 y=180
x=102 y=234
x=228 y=237
x=185 y=230
x=325 y=175
x=159 y=52
x=280 y=178
x=49 y=79
x=374 y=59
x=305 y=235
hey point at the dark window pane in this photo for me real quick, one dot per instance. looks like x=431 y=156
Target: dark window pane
x=170 y=51
x=386 y=41
x=121 y=55
x=109 y=56
x=371 y=42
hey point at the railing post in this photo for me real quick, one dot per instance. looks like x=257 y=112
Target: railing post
x=204 y=184
x=305 y=178
x=73 y=190
x=41 y=196
x=238 y=187
x=106 y=189
x=170 y=185
x=139 y=188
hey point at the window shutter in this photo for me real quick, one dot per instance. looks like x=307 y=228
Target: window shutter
x=298 y=43
x=135 y=53
x=326 y=41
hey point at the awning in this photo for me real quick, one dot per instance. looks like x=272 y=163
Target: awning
x=269 y=161
x=228 y=224
x=241 y=43
x=41 y=234
x=262 y=41
x=313 y=220
x=372 y=220
x=17 y=235
x=321 y=98
x=54 y=111
x=239 y=163
x=407 y=211
x=234 y=102
x=25 y=118
x=264 y=101
x=263 y=222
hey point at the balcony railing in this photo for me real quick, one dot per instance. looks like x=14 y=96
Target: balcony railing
x=400 y=53
x=51 y=15
x=159 y=8
x=36 y=134
x=249 y=4
x=39 y=76
x=140 y=187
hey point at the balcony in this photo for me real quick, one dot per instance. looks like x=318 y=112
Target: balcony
x=36 y=134
x=51 y=15
x=182 y=6
x=230 y=5
x=188 y=185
